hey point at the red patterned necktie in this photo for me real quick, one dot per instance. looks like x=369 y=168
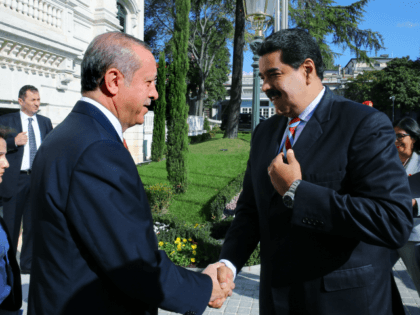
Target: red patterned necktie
x=290 y=134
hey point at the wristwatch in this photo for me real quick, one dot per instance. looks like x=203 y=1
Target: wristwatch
x=289 y=196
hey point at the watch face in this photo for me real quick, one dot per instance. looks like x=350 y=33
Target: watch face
x=288 y=201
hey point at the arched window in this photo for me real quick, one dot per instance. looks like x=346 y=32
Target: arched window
x=122 y=16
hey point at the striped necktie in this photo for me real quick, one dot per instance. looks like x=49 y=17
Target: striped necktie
x=290 y=134
x=32 y=142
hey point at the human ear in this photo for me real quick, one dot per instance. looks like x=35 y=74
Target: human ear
x=113 y=79
x=310 y=69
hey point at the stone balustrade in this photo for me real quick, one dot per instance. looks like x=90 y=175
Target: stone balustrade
x=40 y=10
x=17 y=55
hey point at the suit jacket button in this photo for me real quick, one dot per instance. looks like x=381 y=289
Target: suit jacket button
x=304 y=220
x=190 y=313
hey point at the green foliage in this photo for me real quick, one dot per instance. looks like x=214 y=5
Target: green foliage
x=401 y=78
x=322 y=18
x=208 y=247
x=217 y=206
x=181 y=251
x=204 y=181
x=176 y=162
x=206 y=125
x=158 y=143
x=217 y=129
x=364 y=87
x=159 y=197
x=255 y=258
x=199 y=138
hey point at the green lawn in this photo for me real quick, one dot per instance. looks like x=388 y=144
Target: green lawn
x=209 y=170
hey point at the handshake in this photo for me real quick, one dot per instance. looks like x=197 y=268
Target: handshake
x=223 y=285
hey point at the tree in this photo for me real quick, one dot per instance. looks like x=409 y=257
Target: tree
x=365 y=88
x=401 y=78
x=211 y=26
x=238 y=61
x=158 y=142
x=322 y=19
x=214 y=84
x=176 y=162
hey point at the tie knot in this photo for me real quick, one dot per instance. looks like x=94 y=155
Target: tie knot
x=30 y=119
x=294 y=122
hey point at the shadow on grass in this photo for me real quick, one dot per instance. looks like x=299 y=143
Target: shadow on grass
x=209 y=175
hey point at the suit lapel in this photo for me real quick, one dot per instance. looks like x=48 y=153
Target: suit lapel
x=17 y=122
x=90 y=110
x=313 y=129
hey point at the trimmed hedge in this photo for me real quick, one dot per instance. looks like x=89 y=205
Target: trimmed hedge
x=209 y=247
x=199 y=138
x=217 y=206
x=159 y=197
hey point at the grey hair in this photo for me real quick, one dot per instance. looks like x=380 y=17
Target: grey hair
x=110 y=50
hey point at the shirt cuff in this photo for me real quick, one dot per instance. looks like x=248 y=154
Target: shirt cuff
x=230 y=266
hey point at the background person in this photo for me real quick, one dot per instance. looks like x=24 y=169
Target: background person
x=95 y=250
x=326 y=220
x=22 y=145
x=407 y=133
x=10 y=284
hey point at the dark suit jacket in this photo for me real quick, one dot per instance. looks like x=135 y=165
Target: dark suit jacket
x=329 y=254
x=15 y=153
x=95 y=251
x=14 y=301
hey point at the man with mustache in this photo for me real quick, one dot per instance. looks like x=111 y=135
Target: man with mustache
x=324 y=193
x=22 y=145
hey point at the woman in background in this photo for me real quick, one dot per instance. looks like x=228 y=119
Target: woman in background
x=407 y=141
x=10 y=284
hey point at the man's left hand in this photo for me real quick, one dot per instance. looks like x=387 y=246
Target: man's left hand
x=283 y=175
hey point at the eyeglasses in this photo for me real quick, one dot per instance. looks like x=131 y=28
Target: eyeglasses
x=400 y=136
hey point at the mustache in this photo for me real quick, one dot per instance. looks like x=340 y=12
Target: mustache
x=272 y=93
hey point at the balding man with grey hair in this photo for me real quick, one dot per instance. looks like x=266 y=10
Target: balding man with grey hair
x=95 y=251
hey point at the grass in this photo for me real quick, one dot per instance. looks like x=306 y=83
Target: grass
x=209 y=170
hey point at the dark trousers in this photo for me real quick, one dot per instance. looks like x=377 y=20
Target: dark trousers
x=14 y=209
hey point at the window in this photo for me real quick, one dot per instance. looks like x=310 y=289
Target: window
x=121 y=16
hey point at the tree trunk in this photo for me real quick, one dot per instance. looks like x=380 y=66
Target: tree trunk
x=238 y=61
x=200 y=97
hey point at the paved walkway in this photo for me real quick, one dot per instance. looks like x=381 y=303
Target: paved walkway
x=244 y=300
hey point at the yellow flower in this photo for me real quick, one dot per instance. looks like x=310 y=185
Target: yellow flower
x=196 y=225
x=173 y=252
x=194 y=246
x=178 y=239
x=179 y=247
x=192 y=259
x=190 y=239
x=160 y=243
x=184 y=240
x=194 y=252
x=183 y=245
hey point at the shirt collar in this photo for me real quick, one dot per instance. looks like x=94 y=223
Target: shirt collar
x=112 y=119
x=309 y=110
x=24 y=116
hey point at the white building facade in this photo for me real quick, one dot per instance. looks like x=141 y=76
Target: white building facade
x=42 y=43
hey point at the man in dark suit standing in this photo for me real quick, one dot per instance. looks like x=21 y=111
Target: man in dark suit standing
x=326 y=211
x=22 y=145
x=95 y=250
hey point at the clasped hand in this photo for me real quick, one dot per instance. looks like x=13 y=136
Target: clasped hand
x=223 y=284
x=283 y=174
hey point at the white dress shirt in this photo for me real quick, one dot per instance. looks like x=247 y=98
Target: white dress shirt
x=113 y=120
x=26 y=155
x=304 y=117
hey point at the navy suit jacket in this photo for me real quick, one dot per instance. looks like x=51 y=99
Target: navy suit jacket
x=327 y=255
x=95 y=250
x=15 y=153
